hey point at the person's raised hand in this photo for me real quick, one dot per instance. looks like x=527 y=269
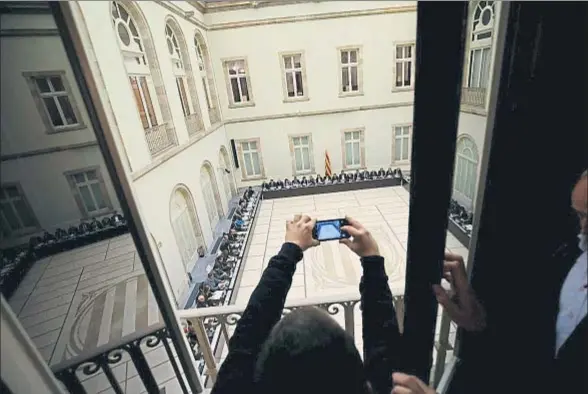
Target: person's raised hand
x=299 y=232
x=460 y=302
x=362 y=242
x=409 y=384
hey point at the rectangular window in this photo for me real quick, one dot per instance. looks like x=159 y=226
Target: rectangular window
x=56 y=103
x=181 y=84
x=479 y=71
x=302 y=154
x=404 y=71
x=293 y=69
x=402 y=143
x=350 y=70
x=251 y=159
x=353 y=148
x=16 y=216
x=143 y=100
x=90 y=191
x=238 y=80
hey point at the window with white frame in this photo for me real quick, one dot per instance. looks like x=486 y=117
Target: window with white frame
x=90 y=191
x=141 y=92
x=404 y=71
x=251 y=158
x=205 y=73
x=293 y=69
x=238 y=80
x=352 y=149
x=402 y=141
x=466 y=167
x=16 y=215
x=58 y=109
x=350 y=70
x=480 y=44
x=302 y=154
x=185 y=225
x=179 y=69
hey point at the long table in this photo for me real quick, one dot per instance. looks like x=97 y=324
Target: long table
x=332 y=188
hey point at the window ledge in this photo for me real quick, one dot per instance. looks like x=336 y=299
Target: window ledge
x=255 y=178
x=295 y=99
x=403 y=89
x=66 y=129
x=350 y=94
x=242 y=105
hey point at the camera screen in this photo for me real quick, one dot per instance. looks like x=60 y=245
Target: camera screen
x=330 y=229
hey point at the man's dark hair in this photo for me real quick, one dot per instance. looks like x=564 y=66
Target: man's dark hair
x=308 y=352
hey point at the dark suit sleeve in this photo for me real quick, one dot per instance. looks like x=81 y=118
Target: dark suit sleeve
x=381 y=336
x=263 y=311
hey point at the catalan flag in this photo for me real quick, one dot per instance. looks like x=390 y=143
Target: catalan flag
x=328 y=171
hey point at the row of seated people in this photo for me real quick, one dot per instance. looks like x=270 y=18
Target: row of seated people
x=213 y=291
x=461 y=216
x=342 y=177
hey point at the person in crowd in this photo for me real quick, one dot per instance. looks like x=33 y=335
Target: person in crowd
x=381 y=173
x=295 y=182
x=190 y=279
x=201 y=301
x=568 y=314
x=279 y=184
x=320 y=180
x=389 y=173
x=307 y=351
x=311 y=181
x=264 y=186
x=201 y=251
x=397 y=173
x=366 y=175
x=373 y=175
x=250 y=192
x=328 y=180
x=191 y=333
x=304 y=182
x=272 y=184
x=287 y=184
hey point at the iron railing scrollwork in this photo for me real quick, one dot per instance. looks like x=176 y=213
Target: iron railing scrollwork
x=160 y=138
x=105 y=358
x=473 y=97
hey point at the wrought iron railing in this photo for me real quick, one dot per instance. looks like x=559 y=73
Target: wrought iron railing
x=473 y=97
x=160 y=138
x=194 y=124
x=75 y=372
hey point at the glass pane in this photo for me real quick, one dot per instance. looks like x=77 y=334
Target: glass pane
x=87 y=198
x=299 y=90
x=356 y=153
x=10 y=215
x=248 y=164
x=148 y=103
x=407 y=73
x=53 y=111
x=297 y=61
x=304 y=140
x=57 y=84
x=344 y=57
x=353 y=56
x=354 y=84
x=253 y=145
x=134 y=31
x=244 y=89
x=345 y=79
x=356 y=135
x=296 y=141
x=288 y=62
x=235 y=90
x=398 y=74
x=42 y=85
x=348 y=136
x=289 y=85
x=25 y=214
x=305 y=158
x=123 y=34
x=298 y=159
x=485 y=72
x=409 y=51
x=399 y=53
x=11 y=191
x=91 y=175
x=348 y=153
x=98 y=197
x=405 y=148
x=398 y=131
x=256 y=166
x=139 y=102
x=398 y=149
x=79 y=178
x=475 y=69
x=123 y=13
x=66 y=108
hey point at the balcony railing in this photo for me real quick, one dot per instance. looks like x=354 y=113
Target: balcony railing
x=159 y=138
x=194 y=124
x=214 y=327
x=473 y=97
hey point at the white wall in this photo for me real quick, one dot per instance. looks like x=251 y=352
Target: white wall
x=153 y=192
x=319 y=40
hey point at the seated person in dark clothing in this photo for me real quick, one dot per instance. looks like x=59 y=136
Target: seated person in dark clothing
x=373 y=174
x=279 y=184
x=201 y=251
x=381 y=172
x=272 y=184
x=73 y=232
x=304 y=182
x=366 y=175
x=201 y=301
x=264 y=186
x=287 y=184
x=328 y=180
x=389 y=173
x=250 y=191
x=357 y=176
x=311 y=181
x=205 y=289
x=335 y=178
x=398 y=173
x=307 y=351
x=295 y=182
x=320 y=180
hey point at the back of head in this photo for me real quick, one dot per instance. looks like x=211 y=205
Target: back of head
x=308 y=352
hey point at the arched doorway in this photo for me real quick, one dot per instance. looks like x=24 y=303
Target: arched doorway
x=466 y=169
x=226 y=171
x=185 y=224
x=214 y=206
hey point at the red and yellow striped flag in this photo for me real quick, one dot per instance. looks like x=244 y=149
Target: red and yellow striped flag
x=328 y=171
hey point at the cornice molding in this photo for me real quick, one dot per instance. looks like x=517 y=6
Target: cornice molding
x=46 y=151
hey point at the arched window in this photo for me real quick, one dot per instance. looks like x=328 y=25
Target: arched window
x=466 y=168
x=212 y=200
x=136 y=45
x=482 y=27
x=178 y=53
x=205 y=69
x=185 y=224
x=225 y=173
